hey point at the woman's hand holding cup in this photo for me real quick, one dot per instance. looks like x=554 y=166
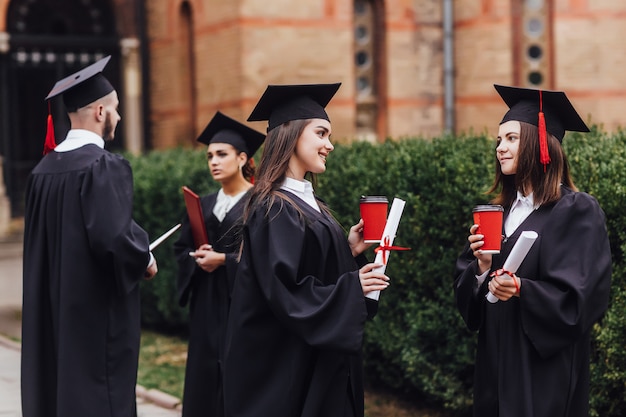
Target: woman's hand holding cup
x=476 y=242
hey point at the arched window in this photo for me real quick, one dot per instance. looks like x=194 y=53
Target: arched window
x=187 y=73
x=368 y=42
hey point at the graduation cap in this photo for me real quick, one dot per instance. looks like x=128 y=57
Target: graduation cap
x=283 y=103
x=550 y=111
x=223 y=129
x=78 y=90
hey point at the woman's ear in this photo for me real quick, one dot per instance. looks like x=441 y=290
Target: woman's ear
x=243 y=158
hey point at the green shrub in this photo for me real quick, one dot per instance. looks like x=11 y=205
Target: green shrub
x=159 y=205
x=418 y=344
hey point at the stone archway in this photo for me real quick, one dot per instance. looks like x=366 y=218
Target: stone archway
x=46 y=40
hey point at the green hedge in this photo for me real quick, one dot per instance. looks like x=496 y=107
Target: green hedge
x=418 y=344
x=159 y=205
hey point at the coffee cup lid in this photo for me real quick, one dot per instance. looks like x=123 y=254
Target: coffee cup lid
x=487 y=207
x=373 y=199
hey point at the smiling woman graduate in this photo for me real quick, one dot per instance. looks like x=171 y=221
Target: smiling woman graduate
x=533 y=344
x=298 y=308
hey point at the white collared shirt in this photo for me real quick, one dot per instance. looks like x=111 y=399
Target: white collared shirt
x=77 y=138
x=520 y=209
x=224 y=203
x=303 y=189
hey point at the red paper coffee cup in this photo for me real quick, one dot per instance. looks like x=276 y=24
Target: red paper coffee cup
x=488 y=217
x=374 y=215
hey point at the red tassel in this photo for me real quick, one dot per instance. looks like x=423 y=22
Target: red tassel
x=50 y=143
x=544 y=155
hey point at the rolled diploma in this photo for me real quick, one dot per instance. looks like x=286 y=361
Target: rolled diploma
x=164 y=236
x=516 y=257
x=391 y=227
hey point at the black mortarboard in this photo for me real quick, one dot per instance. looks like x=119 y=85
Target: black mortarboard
x=283 y=103
x=84 y=86
x=78 y=90
x=525 y=105
x=223 y=129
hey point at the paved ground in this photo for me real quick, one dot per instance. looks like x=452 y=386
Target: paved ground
x=150 y=403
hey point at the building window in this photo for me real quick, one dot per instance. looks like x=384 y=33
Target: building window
x=366 y=58
x=60 y=17
x=533 y=29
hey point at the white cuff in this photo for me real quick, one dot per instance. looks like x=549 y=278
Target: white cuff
x=481 y=278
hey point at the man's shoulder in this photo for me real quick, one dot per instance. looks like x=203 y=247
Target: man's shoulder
x=78 y=159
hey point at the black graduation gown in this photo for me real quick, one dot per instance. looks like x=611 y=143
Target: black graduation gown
x=84 y=257
x=208 y=295
x=296 y=322
x=533 y=351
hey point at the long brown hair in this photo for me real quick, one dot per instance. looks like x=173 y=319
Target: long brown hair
x=531 y=176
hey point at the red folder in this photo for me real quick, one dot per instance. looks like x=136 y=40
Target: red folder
x=196 y=218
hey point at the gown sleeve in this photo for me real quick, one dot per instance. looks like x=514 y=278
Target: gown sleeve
x=117 y=242
x=470 y=297
x=327 y=312
x=188 y=270
x=232 y=261
x=187 y=267
x=572 y=290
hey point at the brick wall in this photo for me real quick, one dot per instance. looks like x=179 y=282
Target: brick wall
x=588 y=57
x=300 y=43
x=240 y=46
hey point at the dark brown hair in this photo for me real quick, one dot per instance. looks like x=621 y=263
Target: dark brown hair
x=531 y=176
x=248 y=169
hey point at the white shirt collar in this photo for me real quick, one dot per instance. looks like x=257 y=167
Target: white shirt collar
x=521 y=208
x=522 y=200
x=77 y=138
x=298 y=187
x=303 y=189
x=225 y=202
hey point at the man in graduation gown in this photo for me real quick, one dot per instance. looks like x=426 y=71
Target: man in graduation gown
x=84 y=258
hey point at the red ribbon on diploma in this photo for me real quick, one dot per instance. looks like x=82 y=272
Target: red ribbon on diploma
x=385 y=247
x=501 y=271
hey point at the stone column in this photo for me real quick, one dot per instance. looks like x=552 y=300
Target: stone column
x=132 y=120
x=4 y=42
x=5 y=206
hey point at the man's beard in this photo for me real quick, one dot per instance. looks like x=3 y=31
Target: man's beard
x=108 y=132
